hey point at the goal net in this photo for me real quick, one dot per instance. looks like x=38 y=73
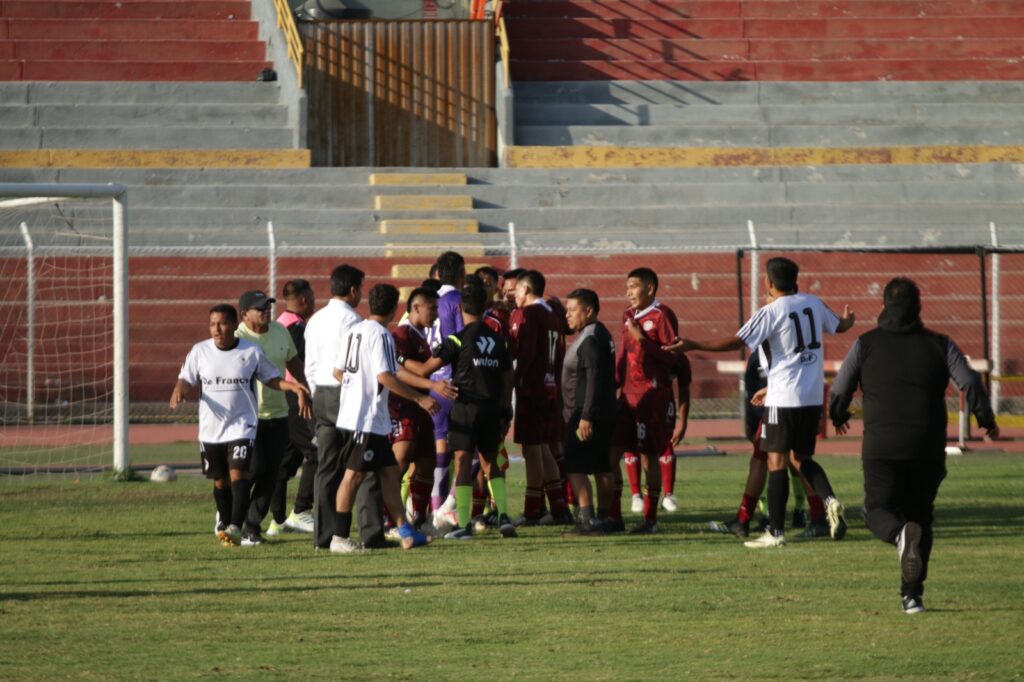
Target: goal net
x=63 y=374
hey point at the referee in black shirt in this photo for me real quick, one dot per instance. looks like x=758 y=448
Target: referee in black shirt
x=589 y=406
x=903 y=370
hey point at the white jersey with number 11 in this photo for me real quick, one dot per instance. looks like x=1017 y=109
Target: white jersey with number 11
x=788 y=334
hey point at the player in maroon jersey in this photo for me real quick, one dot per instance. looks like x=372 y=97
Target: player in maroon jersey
x=412 y=431
x=535 y=337
x=556 y=424
x=646 y=417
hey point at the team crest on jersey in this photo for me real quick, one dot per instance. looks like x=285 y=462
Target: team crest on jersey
x=368 y=456
x=648 y=325
x=808 y=358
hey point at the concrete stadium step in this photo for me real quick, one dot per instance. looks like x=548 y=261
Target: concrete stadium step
x=103 y=50
x=150 y=94
x=142 y=115
x=146 y=137
x=67 y=70
x=777 y=135
x=675 y=92
x=126 y=9
x=874 y=113
x=155 y=158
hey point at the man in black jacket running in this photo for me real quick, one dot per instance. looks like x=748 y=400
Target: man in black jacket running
x=903 y=370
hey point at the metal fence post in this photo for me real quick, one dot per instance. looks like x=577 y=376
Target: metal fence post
x=513 y=248
x=272 y=261
x=755 y=269
x=30 y=333
x=997 y=319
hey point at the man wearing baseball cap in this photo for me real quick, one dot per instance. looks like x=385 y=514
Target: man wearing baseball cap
x=256 y=309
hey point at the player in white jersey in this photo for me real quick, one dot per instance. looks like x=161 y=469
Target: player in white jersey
x=226 y=369
x=788 y=334
x=367 y=368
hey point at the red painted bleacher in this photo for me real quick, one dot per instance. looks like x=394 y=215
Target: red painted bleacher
x=130 y=40
x=770 y=40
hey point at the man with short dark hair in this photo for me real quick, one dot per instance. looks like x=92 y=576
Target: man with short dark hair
x=272 y=435
x=226 y=367
x=324 y=333
x=588 y=405
x=788 y=332
x=367 y=368
x=300 y=303
x=534 y=341
x=903 y=370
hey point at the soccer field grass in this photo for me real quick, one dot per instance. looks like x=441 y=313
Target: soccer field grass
x=105 y=580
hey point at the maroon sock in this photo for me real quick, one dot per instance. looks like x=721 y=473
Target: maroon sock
x=747 y=507
x=651 y=505
x=668 y=472
x=615 y=508
x=556 y=500
x=479 y=499
x=817 y=508
x=532 y=503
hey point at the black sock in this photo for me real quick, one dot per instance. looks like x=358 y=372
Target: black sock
x=278 y=501
x=222 y=496
x=344 y=524
x=239 y=501
x=778 y=495
x=816 y=476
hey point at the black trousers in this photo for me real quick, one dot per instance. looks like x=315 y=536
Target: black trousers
x=330 y=470
x=271 y=441
x=300 y=453
x=898 y=491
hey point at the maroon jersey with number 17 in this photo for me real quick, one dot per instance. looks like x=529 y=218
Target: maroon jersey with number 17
x=535 y=341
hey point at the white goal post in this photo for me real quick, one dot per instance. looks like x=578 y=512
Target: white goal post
x=23 y=195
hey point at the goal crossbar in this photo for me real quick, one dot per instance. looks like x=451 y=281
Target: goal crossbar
x=27 y=194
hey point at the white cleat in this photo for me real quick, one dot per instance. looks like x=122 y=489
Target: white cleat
x=445 y=521
x=767 y=539
x=341 y=545
x=448 y=505
x=834 y=515
x=669 y=503
x=637 y=505
x=275 y=529
x=393 y=534
x=300 y=523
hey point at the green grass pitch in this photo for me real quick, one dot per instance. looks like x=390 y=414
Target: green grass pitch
x=104 y=580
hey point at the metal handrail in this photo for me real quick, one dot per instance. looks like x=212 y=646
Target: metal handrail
x=286 y=22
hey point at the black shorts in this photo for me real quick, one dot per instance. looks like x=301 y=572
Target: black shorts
x=361 y=451
x=219 y=458
x=791 y=428
x=592 y=456
x=474 y=426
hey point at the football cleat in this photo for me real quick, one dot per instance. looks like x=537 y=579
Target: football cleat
x=637 y=504
x=816 y=529
x=740 y=530
x=550 y=519
x=251 y=538
x=392 y=534
x=506 y=527
x=799 y=518
x=231 y=536
x=410 y=537
x=669 y=503
x=275 y=529
x=767 y=539
x=908 y=544
x=445 y=520
x=218 y=526
x=346 y=546
x=582 y=530
x=912 y=605
x=460 y=534
x=645 y=527
x=525 y=520
x=300 y=523
x=614 y=526
x=834 y=515
x=762 y=524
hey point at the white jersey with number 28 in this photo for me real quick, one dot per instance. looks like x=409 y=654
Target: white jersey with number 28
x=788 y=334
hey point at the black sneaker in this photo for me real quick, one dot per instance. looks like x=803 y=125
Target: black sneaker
x=582 y=529
x=799 y=518
x=733 y=525
x=645 y=527
x=506 y=527
x=251 y=538
x=525 y=520
x=908 y=544
x=816 y=529
x=613 y=526
x=912 y=605
x=761 y=525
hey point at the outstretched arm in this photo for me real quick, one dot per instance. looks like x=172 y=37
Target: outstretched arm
x=717 y=346
x=402 y=389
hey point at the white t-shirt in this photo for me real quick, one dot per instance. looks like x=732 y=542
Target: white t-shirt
x=367 y=350
x=227 y=380
x=788 y=334
x=324 y=332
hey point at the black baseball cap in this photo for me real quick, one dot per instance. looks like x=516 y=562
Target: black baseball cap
x=254 y=299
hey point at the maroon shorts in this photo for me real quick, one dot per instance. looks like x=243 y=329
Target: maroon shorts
x=646 y=426
x=413 y=425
